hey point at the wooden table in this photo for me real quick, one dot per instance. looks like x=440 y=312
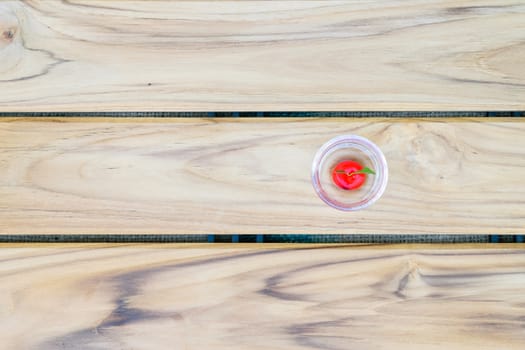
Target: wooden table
x=262 y=56
x=124 y=174
x=252 y=176
x=262 y=296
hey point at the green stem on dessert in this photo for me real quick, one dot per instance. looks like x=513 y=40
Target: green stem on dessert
x=365 y=170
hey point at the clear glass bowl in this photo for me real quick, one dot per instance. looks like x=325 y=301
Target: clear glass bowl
x=356 y=148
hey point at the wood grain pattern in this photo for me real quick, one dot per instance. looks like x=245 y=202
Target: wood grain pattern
x=252 y=176
x=203 y=297
x=85 y=55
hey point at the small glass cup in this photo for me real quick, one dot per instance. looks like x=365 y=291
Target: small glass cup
x=356 y=148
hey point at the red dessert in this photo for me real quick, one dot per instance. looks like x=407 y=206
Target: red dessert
x=350 y=175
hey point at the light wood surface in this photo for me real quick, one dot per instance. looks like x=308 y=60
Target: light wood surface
x=261 y=55
x=252 y=176
x=203 y=297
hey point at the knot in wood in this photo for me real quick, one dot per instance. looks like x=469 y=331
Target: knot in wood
x=9 y=24
x=9 y=34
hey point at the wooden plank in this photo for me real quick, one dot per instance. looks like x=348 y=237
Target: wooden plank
x=252 y=176
x=203 y=297
x=261 y=55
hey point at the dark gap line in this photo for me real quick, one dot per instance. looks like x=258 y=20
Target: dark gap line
x=260 y=114
x=259 y=238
